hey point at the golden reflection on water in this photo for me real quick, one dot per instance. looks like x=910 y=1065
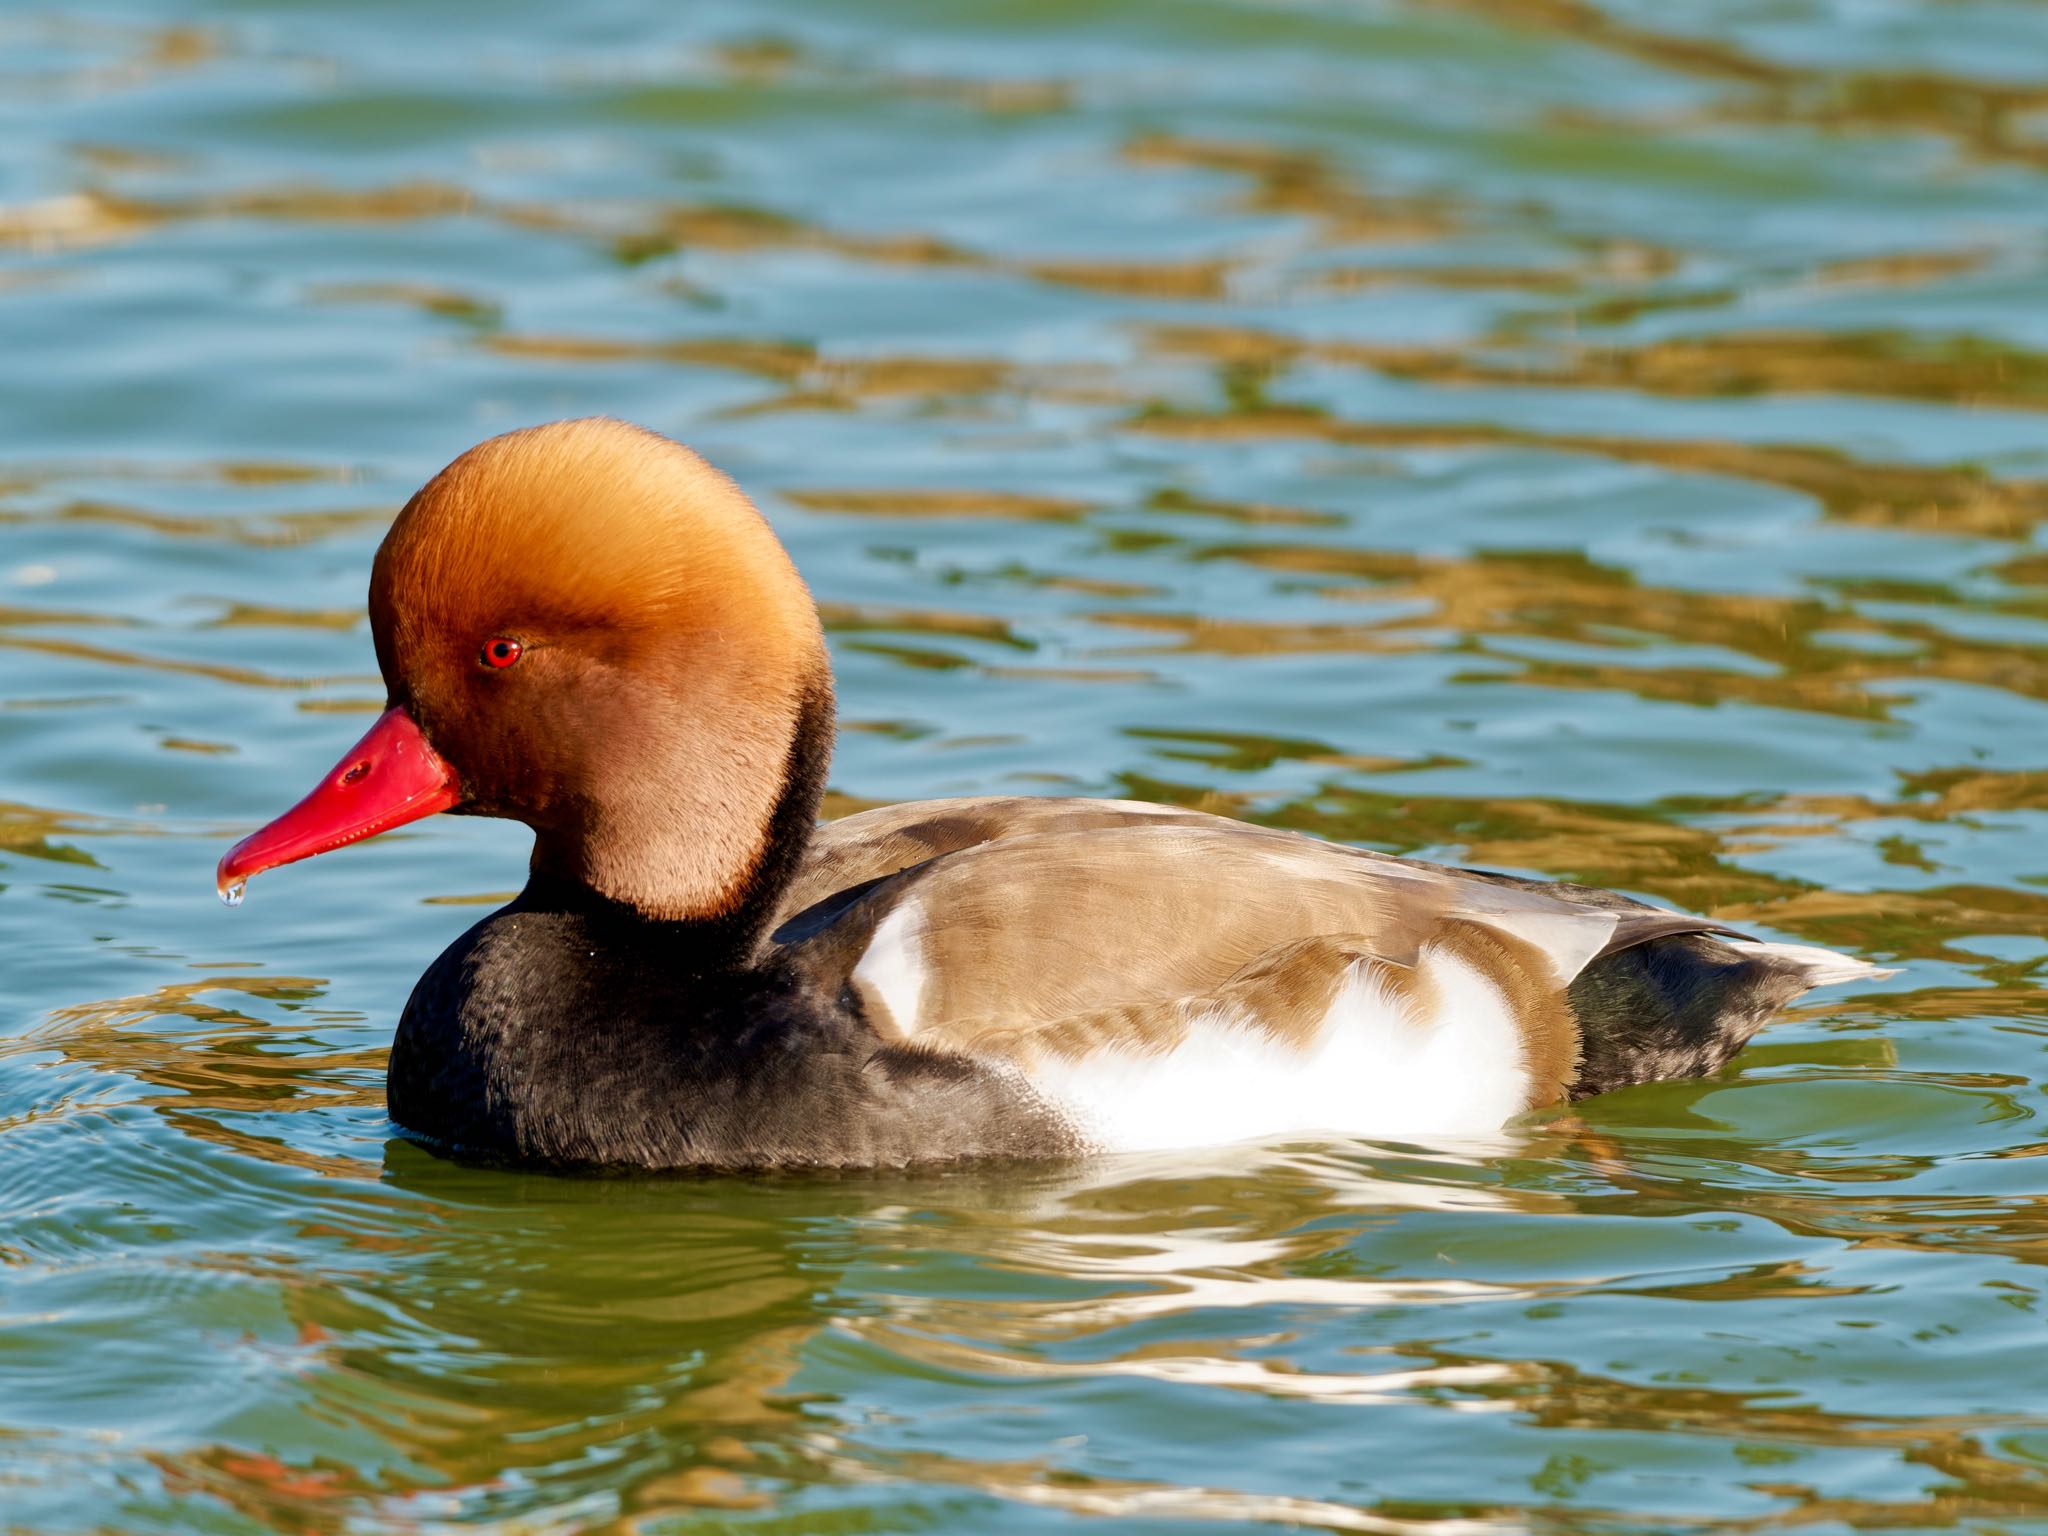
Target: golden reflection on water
x=131 y=660
x=1961 y=370
x=1564 y=596
x=1958 y=500
x=1985 y=118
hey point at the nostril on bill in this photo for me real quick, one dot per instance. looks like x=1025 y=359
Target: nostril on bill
x=356 y=771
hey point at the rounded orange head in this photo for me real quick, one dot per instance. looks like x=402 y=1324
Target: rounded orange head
x=584 y=627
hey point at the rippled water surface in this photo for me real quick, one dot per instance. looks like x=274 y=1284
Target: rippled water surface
x=1590 y=437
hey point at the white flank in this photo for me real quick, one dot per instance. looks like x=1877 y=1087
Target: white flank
x=1371 y=1071
x=1824 y=967
x=891 y=970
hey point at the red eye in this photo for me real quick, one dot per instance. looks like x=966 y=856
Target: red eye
x=501 y=652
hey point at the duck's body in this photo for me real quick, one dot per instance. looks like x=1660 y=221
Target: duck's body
x=904 y=1010
x=699 y=976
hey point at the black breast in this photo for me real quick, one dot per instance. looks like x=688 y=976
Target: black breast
x=578 y=1037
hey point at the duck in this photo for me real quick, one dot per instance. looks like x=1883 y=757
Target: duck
x=585 y=627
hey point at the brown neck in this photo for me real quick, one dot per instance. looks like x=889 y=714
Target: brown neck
x=684 y=863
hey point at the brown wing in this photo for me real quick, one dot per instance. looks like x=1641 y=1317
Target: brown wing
x=857 y=849
x=1042 y=930
x=1053 y=909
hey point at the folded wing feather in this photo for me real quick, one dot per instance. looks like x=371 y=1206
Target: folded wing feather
x=1031 y=911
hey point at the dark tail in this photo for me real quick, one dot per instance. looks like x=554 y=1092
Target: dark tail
x=1676 y=996
x=1675 y=1007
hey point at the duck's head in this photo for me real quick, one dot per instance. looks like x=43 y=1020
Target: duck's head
x=585 y=627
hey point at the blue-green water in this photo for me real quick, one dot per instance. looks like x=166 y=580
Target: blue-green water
x=1605 y=440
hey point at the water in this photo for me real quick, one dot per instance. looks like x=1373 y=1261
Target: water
x=1603 y=440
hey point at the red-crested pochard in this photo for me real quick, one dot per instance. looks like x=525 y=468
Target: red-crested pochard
x=586 y=628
